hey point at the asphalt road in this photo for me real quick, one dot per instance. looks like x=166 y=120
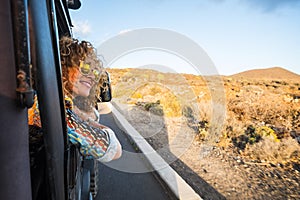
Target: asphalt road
x=127 y=177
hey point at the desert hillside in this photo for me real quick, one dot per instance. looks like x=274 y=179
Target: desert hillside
x=249 y=108
x=274 y=73
x=252 y=125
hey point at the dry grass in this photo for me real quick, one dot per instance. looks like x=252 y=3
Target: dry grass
x=258 y=118
x=268 y=150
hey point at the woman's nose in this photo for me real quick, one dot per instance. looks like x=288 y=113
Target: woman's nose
x=91 y=76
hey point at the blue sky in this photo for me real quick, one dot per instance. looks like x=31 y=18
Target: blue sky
x=237 y=35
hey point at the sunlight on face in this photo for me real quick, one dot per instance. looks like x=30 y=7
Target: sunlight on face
x=85 y=80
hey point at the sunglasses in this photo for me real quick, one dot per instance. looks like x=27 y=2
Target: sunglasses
x=86 y=70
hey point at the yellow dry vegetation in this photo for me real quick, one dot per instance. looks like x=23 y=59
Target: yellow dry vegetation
x=260 y=118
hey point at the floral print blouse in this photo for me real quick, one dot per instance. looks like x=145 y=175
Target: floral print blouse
x=100 y=144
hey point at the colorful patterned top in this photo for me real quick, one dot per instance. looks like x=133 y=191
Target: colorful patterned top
x=100 y=144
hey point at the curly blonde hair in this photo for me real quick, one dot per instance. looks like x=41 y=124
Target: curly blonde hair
x=72 y=52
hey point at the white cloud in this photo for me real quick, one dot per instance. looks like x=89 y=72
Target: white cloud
x=81 y=28
x=124 y=31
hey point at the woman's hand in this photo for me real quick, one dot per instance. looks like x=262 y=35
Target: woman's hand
x=114 y=150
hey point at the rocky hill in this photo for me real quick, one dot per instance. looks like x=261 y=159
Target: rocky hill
x=274 y=73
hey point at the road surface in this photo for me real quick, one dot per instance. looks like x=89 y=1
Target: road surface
x=123 y=179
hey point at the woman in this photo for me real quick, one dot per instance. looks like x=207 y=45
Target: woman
x=82 y=71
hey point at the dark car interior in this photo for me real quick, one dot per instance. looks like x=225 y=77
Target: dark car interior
x=38 y=163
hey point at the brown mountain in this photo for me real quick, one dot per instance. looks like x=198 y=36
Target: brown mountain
x=275 y=73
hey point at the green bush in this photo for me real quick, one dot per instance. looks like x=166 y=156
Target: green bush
x=253 y=135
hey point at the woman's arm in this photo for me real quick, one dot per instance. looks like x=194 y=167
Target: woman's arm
x=93 y=137
x=114 y=150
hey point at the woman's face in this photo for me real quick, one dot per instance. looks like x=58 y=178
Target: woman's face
x=86 y=77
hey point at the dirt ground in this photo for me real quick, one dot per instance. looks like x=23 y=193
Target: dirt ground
x=214 y=173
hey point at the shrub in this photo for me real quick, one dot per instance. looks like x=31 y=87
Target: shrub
x=137 y=95
x=154 y=107
x=171 y=105
x=265 y=131
x=261 y=143
x=155 y=90
x=253 y=135
x=274 y=152
x=202 y=130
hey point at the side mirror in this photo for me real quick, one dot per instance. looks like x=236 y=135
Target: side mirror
x=105 y=89
x=74 y=4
